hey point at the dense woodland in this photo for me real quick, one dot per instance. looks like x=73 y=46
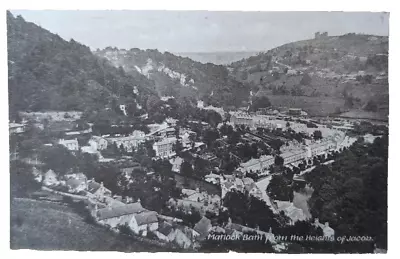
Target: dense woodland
x=49 y=73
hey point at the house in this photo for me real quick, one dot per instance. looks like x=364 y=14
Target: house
x=16 y=128
x=294 y=111
x=133 y=215
x=76 y=185
x=253 y=190
x=217 y=229
x=164 y=231
x=50 y=178
x=188 y=234
x=320 y=147
x=203 y=227
x=326 y=229
x=292 y=156
x=97 y=190
x=164 y=148
x=241 y=119
x=130 y=142
x=213 y=178
x=119 y=215
x=180 y=238
x=176 y=164
x=98 y=143
x=144 y=222
x=71 y=144
x=261 y=164
x=37 y=174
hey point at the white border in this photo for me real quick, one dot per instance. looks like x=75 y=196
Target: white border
x=214 y=5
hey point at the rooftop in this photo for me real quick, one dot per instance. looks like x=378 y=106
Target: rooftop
x=119 y=211
x=146 y=217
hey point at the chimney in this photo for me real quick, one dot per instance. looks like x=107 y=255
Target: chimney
x=138 y=200
x=101 y=184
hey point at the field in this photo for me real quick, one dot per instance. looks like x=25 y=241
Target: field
x=356 y=114
x=44 y=225
x=314 y=106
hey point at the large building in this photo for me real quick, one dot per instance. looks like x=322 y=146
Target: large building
x=71 y=144
x=164 y=148
x=130 y=142
x=98 y=143
x=292 y=156
x=294 y=112
x=261 y=164
x=321 y=147
x=242 y=119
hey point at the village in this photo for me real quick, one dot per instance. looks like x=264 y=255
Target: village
x=240 y=153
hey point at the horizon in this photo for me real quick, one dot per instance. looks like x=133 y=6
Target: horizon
x=201 y=31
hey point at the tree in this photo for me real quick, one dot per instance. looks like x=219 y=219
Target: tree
x=306 y=79
x=279 y=161
x=22 y=180
x=58 y=158
x=186 y=169
x=177 y=147
x=317 y=135
x=210 y=135
x=279 y=188
x=260 y=102
x=371 y=106
x=200 y=167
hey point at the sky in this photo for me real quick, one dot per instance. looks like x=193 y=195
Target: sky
x=201 y=31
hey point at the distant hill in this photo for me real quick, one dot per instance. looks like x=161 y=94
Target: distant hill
x=49 y=73
x=180 y=76
x=218 y=58
x=347 y=73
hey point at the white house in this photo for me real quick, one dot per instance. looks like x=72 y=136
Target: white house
x=98 y=143
x=264 y=162
x=130 y=142
x=326 y=229
x=76 y=185
x=119 y=215
x=71 y=144
x=16 y=128
x=50 y=178
x=133 y=215
x=164 y=148
x=37 y=174
x=97 y=190
x=241 y=119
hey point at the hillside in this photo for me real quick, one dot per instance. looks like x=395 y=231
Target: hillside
x=350 y=72
x=218 y=58
x=45 y=225
x=181 y=77
x=49 y=73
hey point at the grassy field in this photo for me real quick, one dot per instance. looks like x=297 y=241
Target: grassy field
x=318 y=106
x=43 y=225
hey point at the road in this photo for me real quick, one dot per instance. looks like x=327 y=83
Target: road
x=262 y=185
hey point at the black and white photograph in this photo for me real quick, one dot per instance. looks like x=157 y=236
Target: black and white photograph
x=198 y=131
